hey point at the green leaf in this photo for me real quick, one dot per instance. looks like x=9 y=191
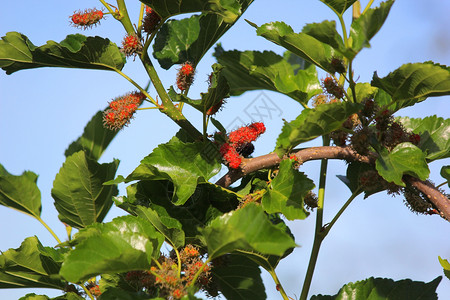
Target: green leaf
x=185 y=164
x=208 y=202
x=20 y=192
x=124 y=244
x=217 y=92
x=189 y=39
x=434 y=135
x=405 y=158
x=363 y=91
x=169 y=227
x=229 y=10
x=415 y=81
x=364 y=28
x=445 y=172
x=119 y=294
x=80 y=196
x=446 y=265
x=247 y=229
x=312 y=123
x=95 y=138
x=301 y=44
x=67 y=296
x=353 y=177
x=30 y=266
x=239 y=278
x=254 y=70
x=287 y=192
x=339 y=6
x=385 y=289
x=325 y=32
x=75 y=51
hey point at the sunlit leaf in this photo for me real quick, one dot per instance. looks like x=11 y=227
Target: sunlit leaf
x=31 y=265
x=20 y=192
x=446 y=265
x=169 y=227
x=325 y=32
x=434 y=135
x=66 y=296
x=124 y=244
x=405 y=158
x=415 y=81
x=185 y=164
x=75 y=51
x=254 y=70
x=300 y=44
x=80 y=196
x=246 y=229
x=287 y=191
x=189 y=39
x=339 y=6
x=386 y=289
x=312 y=123
x=367 y=25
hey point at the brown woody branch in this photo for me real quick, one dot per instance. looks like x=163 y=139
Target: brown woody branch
x=440 y=201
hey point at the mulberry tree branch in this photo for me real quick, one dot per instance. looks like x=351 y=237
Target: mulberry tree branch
x=440 y=201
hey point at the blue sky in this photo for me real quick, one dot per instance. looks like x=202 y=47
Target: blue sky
x=43 y=110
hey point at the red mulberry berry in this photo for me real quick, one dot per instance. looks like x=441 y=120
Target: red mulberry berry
x=121 y=110
x=151 y=20
x=338 y=65
x=247 y=134
x=131 y=45
x=215 y=108
x=185 y=76
x=230 y=155
x=332 y=87
x=86 y=19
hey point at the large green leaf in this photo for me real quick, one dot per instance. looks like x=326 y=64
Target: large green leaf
x=189 y=39
x=169 y=227
x=80 y=196
x=217 y=92
x=254 y=70
x=434 y=135
x=386 y=289
x=405 y=158
x=301 y=44
x=247 y=229
x=30 y=266
x=312 y=123
x=95 y=138
x=339 y=6
x=185 y=164
x=208 y=202
x=367 y=25
x=239 y=278
x=287 y=191
x=124 y=244
x=229 y=10
x=326 y=33
x=446 y=265
x=415 y=81
x=75 y=51
x=20 y=192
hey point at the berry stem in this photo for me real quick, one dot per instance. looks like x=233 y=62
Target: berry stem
x=87 y=291
x=200 y=270
x=141 y=16
x=319 y=234
x=143 y=91
x=124 y=18
x=106 y=5
x=339 y=213
x=367 y=6
x=278 y=284
x=49 y=229
x=351 y=81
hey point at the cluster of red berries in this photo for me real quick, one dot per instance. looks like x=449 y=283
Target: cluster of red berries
x=87 y=18
x=165 y=280
x=131 y=45
x=240 y=143
x=151 y=20
x=332 y=87
x=185 y=76
x=121 y=110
